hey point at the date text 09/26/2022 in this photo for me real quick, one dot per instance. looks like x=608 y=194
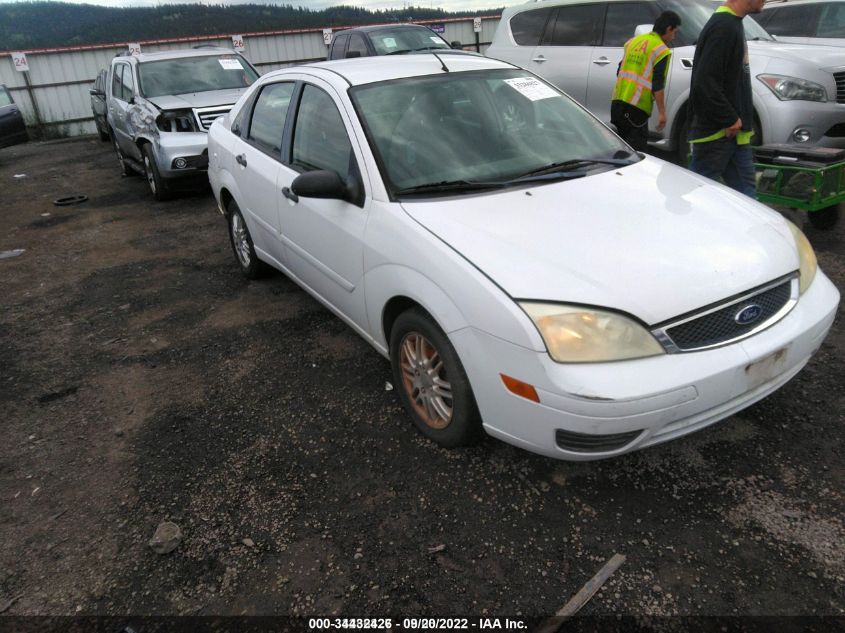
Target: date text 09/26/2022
x=418 y=624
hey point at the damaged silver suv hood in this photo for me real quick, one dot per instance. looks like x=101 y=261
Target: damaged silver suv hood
x=198 y=99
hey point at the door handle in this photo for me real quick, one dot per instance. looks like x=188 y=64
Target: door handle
x=241 y=159
x=539 y=59
x=290 y=195
x=601 y=61
x=686 y=62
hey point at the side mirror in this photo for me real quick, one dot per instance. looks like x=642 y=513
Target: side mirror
x=456 y=45
x=642 y=29
x=320 y=184
x=96 y=93
x=351 y=54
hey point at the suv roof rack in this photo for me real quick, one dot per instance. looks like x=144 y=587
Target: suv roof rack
x=207 y=46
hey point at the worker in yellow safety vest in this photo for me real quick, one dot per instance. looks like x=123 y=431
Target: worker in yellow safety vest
x=641 y=79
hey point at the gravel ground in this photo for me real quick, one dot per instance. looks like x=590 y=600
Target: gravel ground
x=144 y=380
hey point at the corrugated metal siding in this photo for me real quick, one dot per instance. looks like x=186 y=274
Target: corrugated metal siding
x=60 y=103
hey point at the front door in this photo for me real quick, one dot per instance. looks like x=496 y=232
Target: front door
x=324 y=238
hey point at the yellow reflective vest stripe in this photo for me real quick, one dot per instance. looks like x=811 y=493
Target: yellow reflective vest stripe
x=634 y=81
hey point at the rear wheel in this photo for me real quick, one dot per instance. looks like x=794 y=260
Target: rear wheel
x=431 y=381
x=159 y=186
x=242 y=245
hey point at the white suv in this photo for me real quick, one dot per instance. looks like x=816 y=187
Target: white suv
x=798 y=91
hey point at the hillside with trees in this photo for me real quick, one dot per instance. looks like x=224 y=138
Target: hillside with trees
x=25 y=25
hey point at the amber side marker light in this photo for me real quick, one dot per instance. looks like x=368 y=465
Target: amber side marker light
x=522 y=389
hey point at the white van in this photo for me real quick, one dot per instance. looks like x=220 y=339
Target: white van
x=798 y=91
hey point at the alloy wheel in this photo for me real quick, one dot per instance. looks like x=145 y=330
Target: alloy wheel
x=424 y=380
x=240 y=240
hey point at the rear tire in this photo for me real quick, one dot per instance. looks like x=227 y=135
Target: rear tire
x=431 y=381
x=242 y=245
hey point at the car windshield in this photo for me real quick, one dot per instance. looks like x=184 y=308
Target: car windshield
x=405 y=40
x=694 y=15
x=483 y=127
x=194 y=74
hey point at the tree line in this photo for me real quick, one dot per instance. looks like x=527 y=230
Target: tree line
x=42 y=24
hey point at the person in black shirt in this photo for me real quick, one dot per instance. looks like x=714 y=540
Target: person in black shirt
x=720 y=107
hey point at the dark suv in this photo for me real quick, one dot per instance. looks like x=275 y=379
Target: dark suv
x=12 y=127
x=391 y=39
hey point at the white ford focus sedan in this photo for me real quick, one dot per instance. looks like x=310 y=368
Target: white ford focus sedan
x=524 y=270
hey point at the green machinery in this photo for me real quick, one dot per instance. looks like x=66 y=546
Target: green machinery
x=808 y=179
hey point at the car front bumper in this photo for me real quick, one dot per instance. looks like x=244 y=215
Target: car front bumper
x=189 y=146
x=823 y=121
x=645 y=401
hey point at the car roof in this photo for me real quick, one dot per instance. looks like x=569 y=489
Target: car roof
x=539 y=4
x=366 y=70
x=203 y=51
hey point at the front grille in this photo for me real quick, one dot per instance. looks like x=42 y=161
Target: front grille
x=207 y=116
x=582 y=443
x=840 y=87
x=718 y=325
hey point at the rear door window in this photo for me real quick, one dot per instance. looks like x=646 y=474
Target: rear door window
x=5 y=97
x=527 y=27
x=268 y=118
x=578 y=25
x=357 y=44
x=622 y=20
x=339 y=46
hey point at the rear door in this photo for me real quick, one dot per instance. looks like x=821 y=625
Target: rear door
x=621 y=21
x=565 y=52
x=258 y=155
x=12 y=127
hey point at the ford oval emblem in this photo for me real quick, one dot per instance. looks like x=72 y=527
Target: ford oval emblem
x=748 y=314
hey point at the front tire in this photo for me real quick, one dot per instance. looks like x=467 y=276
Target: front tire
x=242 y=245
x=121 y=160
x=431 y=381
x=159 y=186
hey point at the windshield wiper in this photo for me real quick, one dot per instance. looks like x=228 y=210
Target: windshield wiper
x=449 y=185
x=555 y=168
x=431 y=48
x=399 y=52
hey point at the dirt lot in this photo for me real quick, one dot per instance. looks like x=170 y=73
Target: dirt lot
x=142 y=379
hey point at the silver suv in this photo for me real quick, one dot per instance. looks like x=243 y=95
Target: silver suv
x=805 y=21
x=577 y=45
x=160 y=106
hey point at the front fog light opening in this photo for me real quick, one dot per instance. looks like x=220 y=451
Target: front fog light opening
x=801 y=135
x=180 y=163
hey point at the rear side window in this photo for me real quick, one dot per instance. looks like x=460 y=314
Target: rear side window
x=793 y=21
x=320 y=140
x=527 y=27
x=622 y=20
x=832 y=20
x=5 y=97
x=268 y=117
x=578 y=25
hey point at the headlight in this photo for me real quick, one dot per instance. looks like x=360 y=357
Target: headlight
x=176 y=121
x=585 y=335
x=793 y=88
x=806 y=257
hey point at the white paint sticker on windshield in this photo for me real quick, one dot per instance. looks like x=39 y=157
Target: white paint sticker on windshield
x=230 y=64
x=531 y=88
x=435 y=39
x=389 y=42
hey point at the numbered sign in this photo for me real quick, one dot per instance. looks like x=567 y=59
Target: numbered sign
x=19 y=60
x=238 y=43
x=134 y=48
x=327 y=36
x=476 y=25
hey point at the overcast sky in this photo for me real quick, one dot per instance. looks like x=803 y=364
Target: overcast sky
x=447 y=5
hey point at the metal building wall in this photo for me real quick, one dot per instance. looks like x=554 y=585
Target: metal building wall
x=60 y=78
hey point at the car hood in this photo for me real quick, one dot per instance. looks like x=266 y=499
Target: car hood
x=198 y=99
x=650 y=239
x=816 y=56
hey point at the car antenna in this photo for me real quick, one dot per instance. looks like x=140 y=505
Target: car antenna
x=442 y=63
